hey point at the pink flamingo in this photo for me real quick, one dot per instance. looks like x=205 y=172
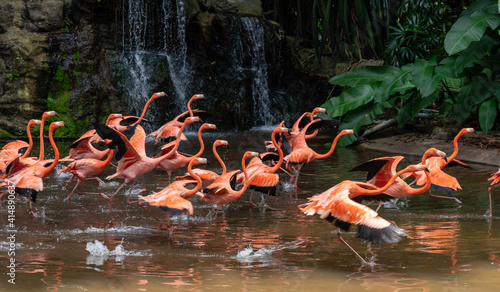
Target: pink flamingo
x=171 y=128
x=302 y=154
x=174 y=197
x=262 y=177
x=86 y=168
x=207 y=176
x=30 y=181
x=132 y=163
x=340 y=203
x=221 y=191
x=178 y=160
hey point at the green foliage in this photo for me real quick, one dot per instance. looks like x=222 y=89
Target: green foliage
x=463 y=84
x=14 y=73
x=419 y=31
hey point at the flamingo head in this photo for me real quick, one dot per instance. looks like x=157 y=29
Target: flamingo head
x=191 y=120
x=49 y=114
x=420 y=167
x=221 y=142
x=319 y=110
x=198 y=96
x=347 y=132
x=249 y=154
x=34 y=122
x=209 y=126
x=55 y=125
x=199 y=160
x=116 y=116
x=158 y=95
x=468 y=130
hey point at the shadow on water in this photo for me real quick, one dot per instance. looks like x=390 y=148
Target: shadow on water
x=79 y=246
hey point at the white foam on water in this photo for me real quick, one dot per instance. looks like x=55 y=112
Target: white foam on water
x=119 y=229
x=99 y=253
x=248 y=255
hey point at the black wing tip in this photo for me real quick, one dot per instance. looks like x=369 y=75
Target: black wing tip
x=173 y=211
x=386 y=235
x=447 y=190
x=27 y=193
x=271 y=191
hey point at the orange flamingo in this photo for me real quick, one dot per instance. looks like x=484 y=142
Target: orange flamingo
x=207 y=176
x=495 y=178
x=340 y=203
x=171 y=128
x=302 y=154
x=261 y=177
x=177 y=160
x=382 y=169
x=221 y=191
x=296 y=126
x=10 y=150
x=31 y=181
x=174 y=197
x=442 y=181
x=44 y=117
x=132 y=163
x=86 y=168
x=82 y=147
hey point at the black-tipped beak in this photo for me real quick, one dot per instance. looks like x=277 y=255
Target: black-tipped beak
x=426 y=169
x=475 y=132
x=57 y=115
x=208 y=163
x=201 y=121
x=445 y=158
x=64 y=124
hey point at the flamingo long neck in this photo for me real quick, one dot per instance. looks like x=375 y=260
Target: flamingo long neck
x=30 y=140
x=332 y=148
x=48 y=169
x=280 y=152
x=428 y=183
x=189 y=106
x=246 y=181
x=198 y=181
x=222 y=164
x=295 y=126
x=455 y=147
x=110 y=117
x=40 y=157
x=387 y=185
x=202 y=145
x=143 y=112
x=315 y=131
x=108 y=159
x=177 y=141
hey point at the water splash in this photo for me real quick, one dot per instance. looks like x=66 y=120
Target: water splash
x=99 y=253
x=248 y=255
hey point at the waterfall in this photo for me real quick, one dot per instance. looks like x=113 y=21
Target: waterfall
x=260 y=89
x=154 y=54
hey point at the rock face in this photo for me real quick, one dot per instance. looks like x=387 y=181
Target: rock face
x=65 y=55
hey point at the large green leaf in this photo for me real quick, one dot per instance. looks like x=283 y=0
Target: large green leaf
x=363 y=115
x=487 y=114
x=396 y=82
x=350 y=99
x=413 y=106
x=422 y=75
x=473 y=93
x=363 y=75
x=491 y=6
x=468 y=29
x=474 y=52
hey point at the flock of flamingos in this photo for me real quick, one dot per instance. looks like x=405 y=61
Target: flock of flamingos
x=124 y=139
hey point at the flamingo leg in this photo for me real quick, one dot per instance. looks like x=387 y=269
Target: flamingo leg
x=297 y=174
x=113 y=195
x=379 y=205
x=97 y=179
x=90 y=193
x=67 y=182
x=491 y=205
x=71 y=194
x=143 y=184
x=30 y=210
x=444 y=197
x=250 y=200
x=130 y=193
x=352 y=249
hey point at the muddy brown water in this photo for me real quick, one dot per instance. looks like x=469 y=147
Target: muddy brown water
x=80 y=246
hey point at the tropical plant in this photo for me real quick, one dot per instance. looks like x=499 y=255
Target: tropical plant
x=465 y=82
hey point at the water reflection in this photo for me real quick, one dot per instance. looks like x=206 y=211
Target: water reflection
x=449 y=246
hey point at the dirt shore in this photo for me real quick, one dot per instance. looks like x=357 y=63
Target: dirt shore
x=477 y=148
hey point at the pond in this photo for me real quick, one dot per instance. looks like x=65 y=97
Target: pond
x=78 y=245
